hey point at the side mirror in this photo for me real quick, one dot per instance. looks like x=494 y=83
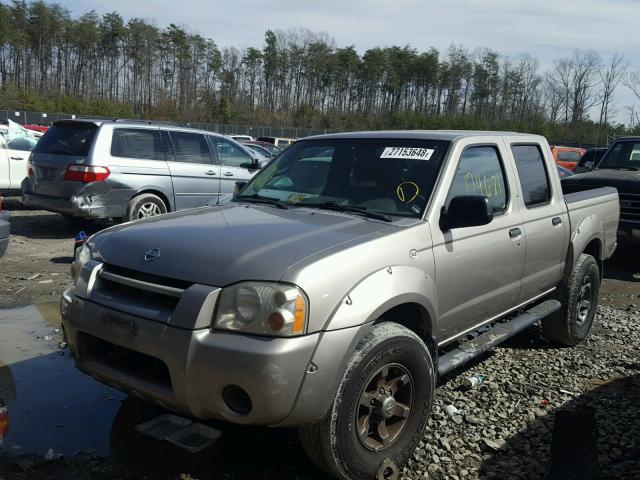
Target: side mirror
x=466 y=211
x=254 y=164
x=588 y=166
x=238 y=187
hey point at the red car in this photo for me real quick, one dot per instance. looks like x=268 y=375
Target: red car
x=567 y=157
x=36 y=128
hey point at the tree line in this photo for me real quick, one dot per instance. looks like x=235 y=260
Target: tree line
x=109 y=65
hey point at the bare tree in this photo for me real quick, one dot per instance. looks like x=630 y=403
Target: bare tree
x=610 y=79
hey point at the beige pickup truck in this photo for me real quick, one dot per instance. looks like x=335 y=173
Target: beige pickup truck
x=336 y=286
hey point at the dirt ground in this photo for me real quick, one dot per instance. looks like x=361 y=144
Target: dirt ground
x=35 y=270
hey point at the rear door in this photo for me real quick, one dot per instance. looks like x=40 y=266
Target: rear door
x=478 y=269
x=195 y=174
x=544 y=217
x=65 y=143
x=236 y=162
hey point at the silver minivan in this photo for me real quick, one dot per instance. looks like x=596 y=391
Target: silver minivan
x=129 y=170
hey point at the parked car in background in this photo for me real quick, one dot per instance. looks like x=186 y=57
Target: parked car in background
x=258 y=149
x=5 y=229
x=242 y=138
x=618 y=168
x=340 y=284
x=15 y=147
x=590 y=159
x=129 y=170
x=270 y=147
x=277 y=141
x=36 y=128
x=567 y=157
x=564 y=172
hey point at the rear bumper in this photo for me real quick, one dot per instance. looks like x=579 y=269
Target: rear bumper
x=5 y=230
x=93 y=201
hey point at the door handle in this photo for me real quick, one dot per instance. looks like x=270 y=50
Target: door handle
x=228 y=174
x=16 y=158
x=556 y=221
x=209 y=172
x=515 y=232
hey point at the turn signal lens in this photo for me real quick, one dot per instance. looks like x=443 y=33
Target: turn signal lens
x=299 y=315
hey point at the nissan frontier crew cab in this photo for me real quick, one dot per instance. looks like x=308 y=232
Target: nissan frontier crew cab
x=336 y=286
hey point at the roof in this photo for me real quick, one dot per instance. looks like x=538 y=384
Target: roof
x=419 y=134
x=136 y=123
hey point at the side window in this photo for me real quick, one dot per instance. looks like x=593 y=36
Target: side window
x=137 y=143
x=568 y=156
x=190 y=147
x=480 y=172
x=532 y=173
x=230 y=154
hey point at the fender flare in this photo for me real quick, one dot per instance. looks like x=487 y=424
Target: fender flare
x=381 y=291
x=591 y=228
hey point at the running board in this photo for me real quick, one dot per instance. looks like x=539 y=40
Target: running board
x=498 y=333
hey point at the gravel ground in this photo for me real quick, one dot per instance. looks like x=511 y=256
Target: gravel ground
x=504 y=428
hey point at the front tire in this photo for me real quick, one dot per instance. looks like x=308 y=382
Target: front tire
x=381 y=408
x=572 y=324
x=144 y=206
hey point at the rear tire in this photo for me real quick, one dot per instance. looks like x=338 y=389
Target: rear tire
x=390 y=380
x=572 y=323
x=144 y=206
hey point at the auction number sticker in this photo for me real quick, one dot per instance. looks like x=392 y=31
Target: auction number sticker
x=407 y=152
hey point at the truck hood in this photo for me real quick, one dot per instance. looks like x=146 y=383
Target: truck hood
x=226 y=244
x=625 y=181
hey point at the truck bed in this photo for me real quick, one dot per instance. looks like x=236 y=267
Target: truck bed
x=599 y=205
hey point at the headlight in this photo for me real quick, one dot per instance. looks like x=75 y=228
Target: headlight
x=83 y=255
x=275 y=309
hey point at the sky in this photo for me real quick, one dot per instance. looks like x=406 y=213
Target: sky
x=546 y=29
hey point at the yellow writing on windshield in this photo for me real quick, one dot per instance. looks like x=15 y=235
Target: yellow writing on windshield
x=486 y=185
x=407 y=191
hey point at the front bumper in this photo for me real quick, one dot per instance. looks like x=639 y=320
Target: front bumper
x=176 y=361
x=629 y=232
x=200 y=363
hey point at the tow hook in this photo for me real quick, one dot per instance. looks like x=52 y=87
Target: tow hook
x=388 y=470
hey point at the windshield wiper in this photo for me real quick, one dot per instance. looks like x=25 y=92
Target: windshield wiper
x=255 y=198
x=338 y=207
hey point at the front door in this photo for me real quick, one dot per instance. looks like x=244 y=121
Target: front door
x=195 y=175
x=478 y=269
x=236 y=162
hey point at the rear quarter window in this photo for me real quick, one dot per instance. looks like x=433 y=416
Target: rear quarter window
x=73 y=139
x=137 y=143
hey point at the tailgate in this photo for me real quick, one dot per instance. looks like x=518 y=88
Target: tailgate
x=64 y=144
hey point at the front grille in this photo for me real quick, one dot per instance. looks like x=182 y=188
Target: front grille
x=629 y=206
x=106 y=356
x=144 y=295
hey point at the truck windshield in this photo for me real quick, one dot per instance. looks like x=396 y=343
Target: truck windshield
x=388 y=176
x=622 y=156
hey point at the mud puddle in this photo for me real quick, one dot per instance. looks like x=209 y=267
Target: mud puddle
x=49 y=403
